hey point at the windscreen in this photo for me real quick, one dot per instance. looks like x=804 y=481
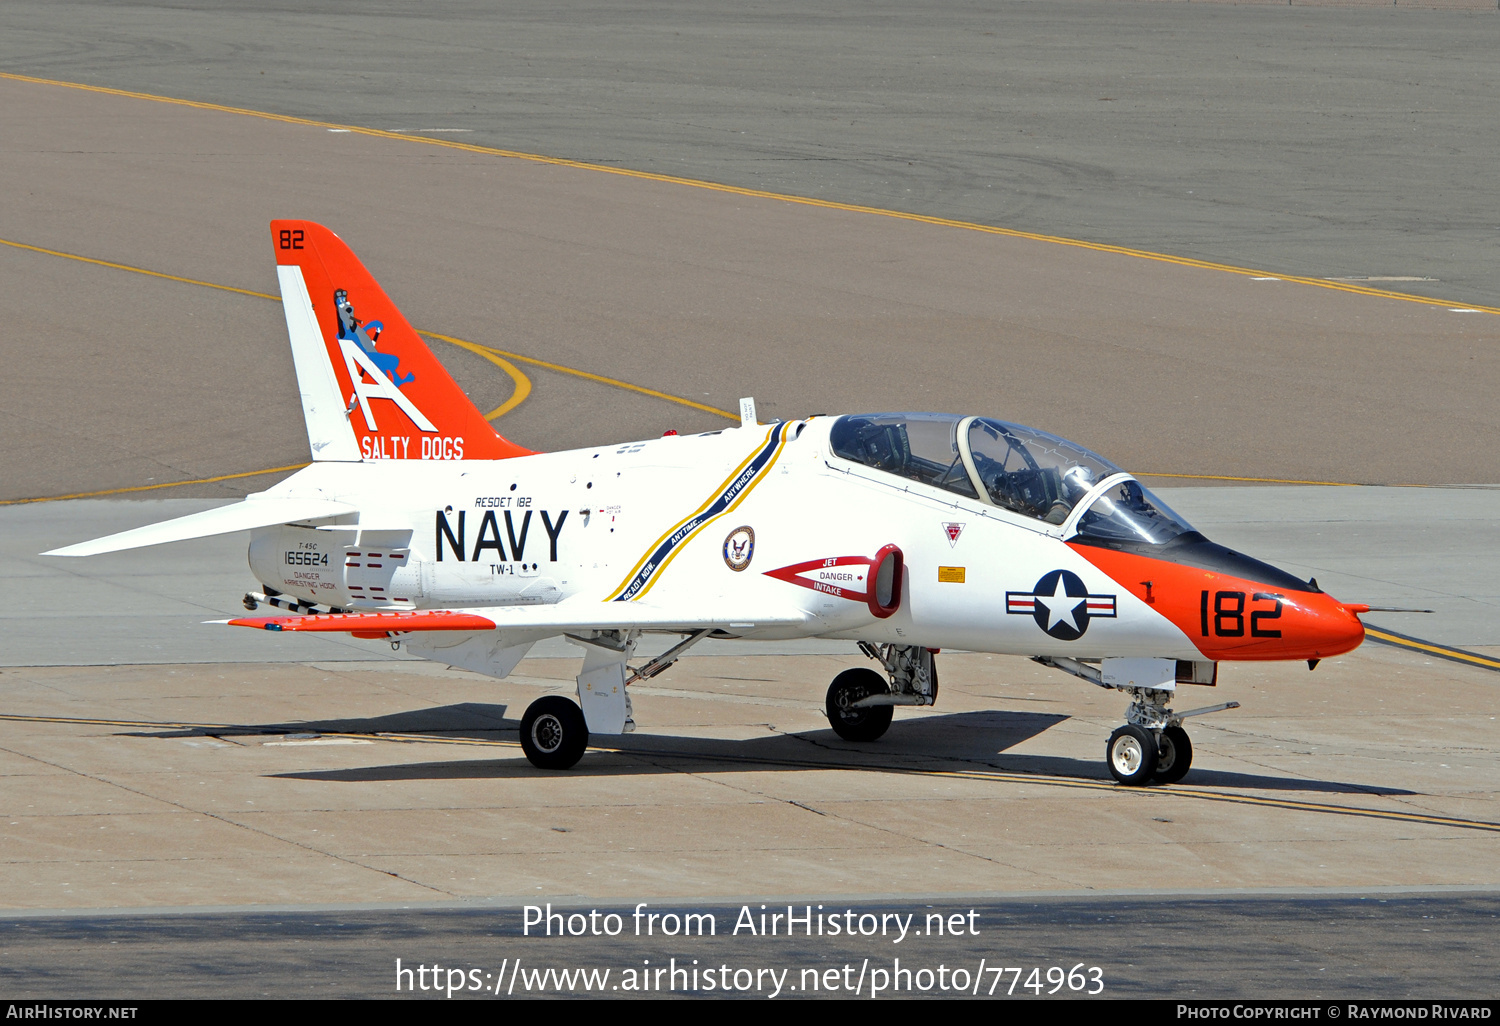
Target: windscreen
x=1022 y=469
x=1128 y=512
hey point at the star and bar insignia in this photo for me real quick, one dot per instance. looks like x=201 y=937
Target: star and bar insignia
x=1061 y=605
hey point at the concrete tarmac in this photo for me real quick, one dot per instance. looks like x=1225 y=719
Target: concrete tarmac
x=398 y=784
x=342 y=782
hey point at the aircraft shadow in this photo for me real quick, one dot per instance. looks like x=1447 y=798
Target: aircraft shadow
x=955 y=742
x=467 y=720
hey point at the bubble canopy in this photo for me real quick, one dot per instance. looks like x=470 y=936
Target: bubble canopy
x=1021 y=469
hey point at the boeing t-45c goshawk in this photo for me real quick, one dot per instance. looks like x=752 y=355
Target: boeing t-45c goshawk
x=902 y=533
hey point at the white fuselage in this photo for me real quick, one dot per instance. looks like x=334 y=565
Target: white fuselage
x=659 y=521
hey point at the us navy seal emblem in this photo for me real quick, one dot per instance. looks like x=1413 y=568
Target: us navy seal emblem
x=739 y=547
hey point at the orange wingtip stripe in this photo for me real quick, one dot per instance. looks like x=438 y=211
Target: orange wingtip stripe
x=373 y=625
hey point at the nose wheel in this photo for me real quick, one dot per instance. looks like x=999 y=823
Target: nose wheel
x=1131 y=755
x=1137 y=756
x=1152 y=747
x=1174 y=754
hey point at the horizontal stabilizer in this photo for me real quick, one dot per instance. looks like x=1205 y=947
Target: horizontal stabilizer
x=242 y=516
x=562 y=618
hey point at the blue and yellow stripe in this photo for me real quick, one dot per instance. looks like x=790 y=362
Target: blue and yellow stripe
x=730 y=493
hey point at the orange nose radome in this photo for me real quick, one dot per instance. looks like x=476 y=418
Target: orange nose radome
x=1331 y=627
x=1279 y=625
x=1233 y=607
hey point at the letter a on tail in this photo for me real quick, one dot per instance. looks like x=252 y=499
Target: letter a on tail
x=370 y=387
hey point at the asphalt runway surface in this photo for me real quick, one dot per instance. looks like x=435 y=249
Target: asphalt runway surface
x=143 y=346
x=1294 y=946
x=1347 y=141
x=1166 y=369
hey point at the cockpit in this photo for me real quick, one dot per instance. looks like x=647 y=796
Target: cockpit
x=1020 y=469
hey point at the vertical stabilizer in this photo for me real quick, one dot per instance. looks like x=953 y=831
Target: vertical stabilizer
x=371 y=389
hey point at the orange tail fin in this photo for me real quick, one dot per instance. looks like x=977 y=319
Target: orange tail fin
x=371 y=389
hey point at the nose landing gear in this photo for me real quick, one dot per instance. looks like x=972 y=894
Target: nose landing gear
x=1136 y=756
x=1152 y=747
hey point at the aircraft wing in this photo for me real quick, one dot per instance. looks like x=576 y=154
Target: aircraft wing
x=563 y=618
x=242 y=516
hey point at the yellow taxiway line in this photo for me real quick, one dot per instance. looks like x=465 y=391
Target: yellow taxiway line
x=1458 y=655
x=1257 y=480
x=490 y=352
x=523 y=383
x=1098 y=247
x=498 y=357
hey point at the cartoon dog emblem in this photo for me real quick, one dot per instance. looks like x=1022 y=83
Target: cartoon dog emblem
x=366 y=336
x=739 y=547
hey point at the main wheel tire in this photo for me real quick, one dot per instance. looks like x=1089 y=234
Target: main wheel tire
x=1131 y=755
x=1174 y=754
x=866 y=724
x=554 y=733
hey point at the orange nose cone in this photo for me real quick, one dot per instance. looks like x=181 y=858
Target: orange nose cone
x=1332 y=628
x=1307 y=626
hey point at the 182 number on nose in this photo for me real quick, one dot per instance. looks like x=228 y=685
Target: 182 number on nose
x=1227 y=617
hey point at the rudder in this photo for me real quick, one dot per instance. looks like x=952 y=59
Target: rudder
x=371 y=389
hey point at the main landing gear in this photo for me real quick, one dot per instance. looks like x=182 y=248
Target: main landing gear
x=555 y=730
x=554 y=734
x=851 y=720
x=860 y=701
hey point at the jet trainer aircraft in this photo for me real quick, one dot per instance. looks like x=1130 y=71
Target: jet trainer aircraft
x=904 y=533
